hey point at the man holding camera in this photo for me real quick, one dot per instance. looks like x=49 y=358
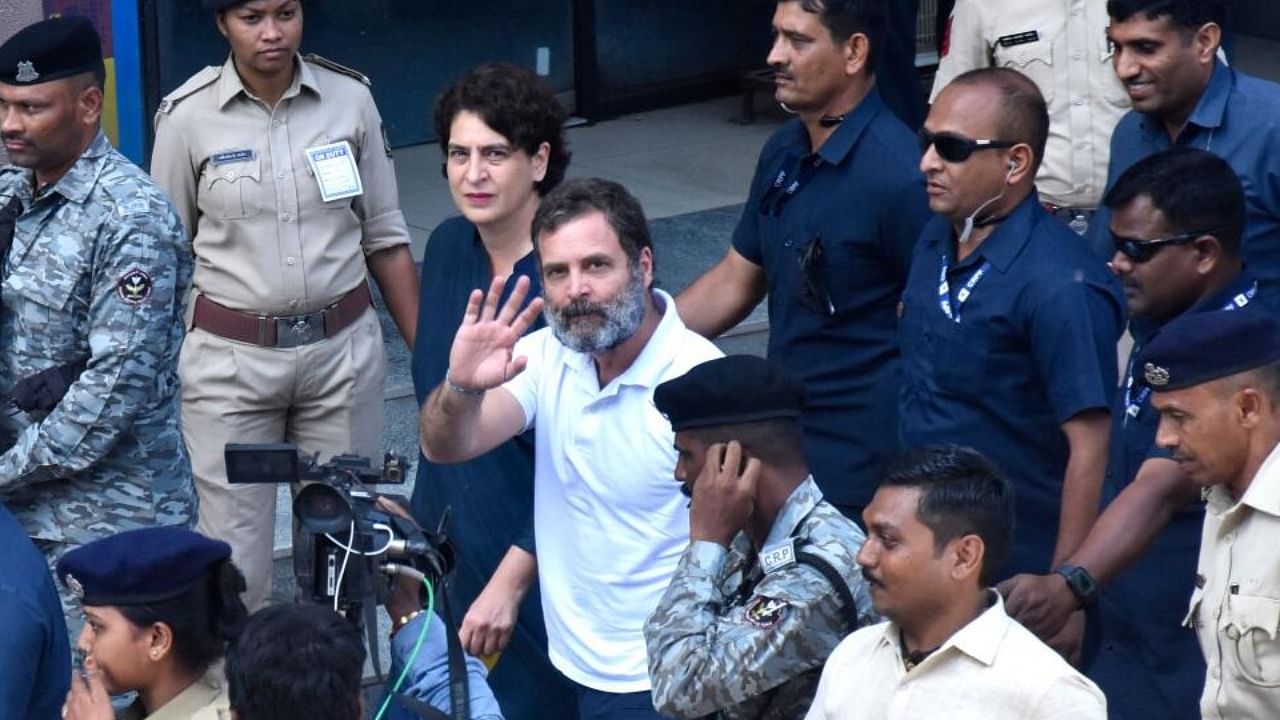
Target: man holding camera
x=609 y=524
x=768 y=585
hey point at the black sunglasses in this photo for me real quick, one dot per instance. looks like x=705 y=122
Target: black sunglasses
x=957 y=148
x=1140 y=251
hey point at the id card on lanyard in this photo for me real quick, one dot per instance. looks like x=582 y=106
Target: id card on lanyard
x=1133 y=403
x=951 y=307
x=790 y=178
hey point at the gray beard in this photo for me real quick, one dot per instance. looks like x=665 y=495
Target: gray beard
x=622 y=315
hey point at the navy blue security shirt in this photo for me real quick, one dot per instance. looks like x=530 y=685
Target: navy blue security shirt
x=1149 y=665
x=490 y=498
x=1237 y=119
x=834 y=231
x=1035 y=346
x=35 y=657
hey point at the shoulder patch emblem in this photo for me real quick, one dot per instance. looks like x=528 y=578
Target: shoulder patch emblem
x=134 y=287
x=136 y=206
x=765 y=612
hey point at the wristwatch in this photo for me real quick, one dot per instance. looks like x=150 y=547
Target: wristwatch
x=1080 y=582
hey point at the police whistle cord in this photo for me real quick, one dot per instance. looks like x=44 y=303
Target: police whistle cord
x=459 y=692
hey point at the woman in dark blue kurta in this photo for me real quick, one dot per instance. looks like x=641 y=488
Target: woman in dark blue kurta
x=501 y=132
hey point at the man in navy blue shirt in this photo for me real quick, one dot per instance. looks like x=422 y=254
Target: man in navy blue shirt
x=1176 y=224
x=35 y=657
x=1185 y=96
x=1009 y=324
x=833 y=212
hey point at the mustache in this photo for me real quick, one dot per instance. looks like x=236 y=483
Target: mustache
x=580 y=308
x=870 y=577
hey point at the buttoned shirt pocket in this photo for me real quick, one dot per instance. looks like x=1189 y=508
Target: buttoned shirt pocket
x=848 y=266
x=960 y=359
x=1034 y=59
x=42 y=299
x=1250 y=627
x=233 y=188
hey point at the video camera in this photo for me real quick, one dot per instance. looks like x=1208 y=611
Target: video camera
x=346 y=550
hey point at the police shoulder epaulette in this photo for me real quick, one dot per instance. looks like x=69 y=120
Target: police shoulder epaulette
x=328 y=64
x=188 y=88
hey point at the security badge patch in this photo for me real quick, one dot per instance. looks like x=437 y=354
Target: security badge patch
x=134 y=287
x=765 y=612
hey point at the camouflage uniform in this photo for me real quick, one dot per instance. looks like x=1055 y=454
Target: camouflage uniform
x=730 y=637
x=97 y=271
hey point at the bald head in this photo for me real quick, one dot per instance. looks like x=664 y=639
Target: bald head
x=1021 y=113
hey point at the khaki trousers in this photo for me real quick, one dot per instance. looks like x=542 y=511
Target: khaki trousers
x=326 y=397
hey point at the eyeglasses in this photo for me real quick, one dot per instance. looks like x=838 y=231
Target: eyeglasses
x=957 y=148
x=1140 y=251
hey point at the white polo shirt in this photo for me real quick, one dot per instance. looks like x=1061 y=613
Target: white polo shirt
x=609 y=519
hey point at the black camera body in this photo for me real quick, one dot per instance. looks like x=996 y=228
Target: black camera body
x=346 y=549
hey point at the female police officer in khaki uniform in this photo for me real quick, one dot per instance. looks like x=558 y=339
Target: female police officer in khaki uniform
x=281 y=174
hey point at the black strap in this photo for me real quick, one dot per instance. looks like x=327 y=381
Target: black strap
x=419 y=708
x=8 y=226
x=459 y=689
x=837 y=581
x=370 y=611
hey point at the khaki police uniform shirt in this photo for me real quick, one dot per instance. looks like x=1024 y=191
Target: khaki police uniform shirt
x=265 y=241
x=1235 y=608
x=204 y=699
x=1061 y=45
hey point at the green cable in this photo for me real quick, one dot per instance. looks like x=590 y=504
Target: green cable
x=408 y=665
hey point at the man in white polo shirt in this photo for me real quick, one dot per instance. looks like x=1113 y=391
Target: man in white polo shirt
x=609 y=523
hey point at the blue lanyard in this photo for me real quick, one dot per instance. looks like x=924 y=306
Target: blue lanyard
x=784 y=186
x=951 y=308
x=1133 y=405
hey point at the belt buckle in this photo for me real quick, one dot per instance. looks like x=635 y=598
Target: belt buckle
x=299 y=330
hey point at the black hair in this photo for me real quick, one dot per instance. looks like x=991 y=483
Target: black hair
x=1024 y=115
x=846 y=18
x=203 y=619
x=296 y=662
x=1188 y=15
x=961 y=493
x=1196 y=190
x=779 y=443
x=580 y=196
x=516 y=104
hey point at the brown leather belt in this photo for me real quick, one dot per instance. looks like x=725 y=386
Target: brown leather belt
x=283 y=331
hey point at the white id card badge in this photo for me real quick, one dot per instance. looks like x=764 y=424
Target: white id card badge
x=335 y=169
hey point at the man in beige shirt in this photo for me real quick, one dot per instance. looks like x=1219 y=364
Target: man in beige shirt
x=940 y=524
x=1062 y=46
x=281 y=174
x=1220 y=416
